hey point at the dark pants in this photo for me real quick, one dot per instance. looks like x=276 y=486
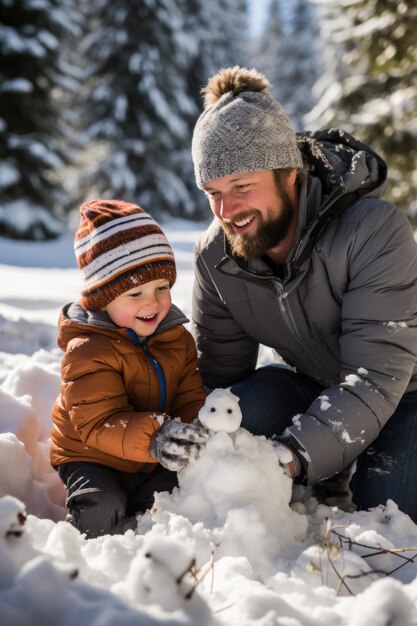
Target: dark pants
x=386 y=470
x=102 y=500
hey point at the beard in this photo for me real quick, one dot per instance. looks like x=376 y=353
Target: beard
x=270 y=233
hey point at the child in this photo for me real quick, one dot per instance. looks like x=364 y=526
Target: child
x=129 y=367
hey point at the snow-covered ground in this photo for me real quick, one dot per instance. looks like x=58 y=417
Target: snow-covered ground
x=224 y=548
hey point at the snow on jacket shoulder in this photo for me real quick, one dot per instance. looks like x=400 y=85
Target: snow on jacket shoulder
x=111 y=395
x=344 y=313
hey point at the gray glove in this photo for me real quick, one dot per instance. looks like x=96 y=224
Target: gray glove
x=175 y=443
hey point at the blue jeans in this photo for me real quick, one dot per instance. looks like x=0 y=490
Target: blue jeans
x=386 y=470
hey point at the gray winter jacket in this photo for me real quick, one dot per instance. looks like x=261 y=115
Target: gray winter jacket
x=344 y=312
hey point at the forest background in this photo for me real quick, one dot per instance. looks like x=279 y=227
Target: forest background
x=99 y=99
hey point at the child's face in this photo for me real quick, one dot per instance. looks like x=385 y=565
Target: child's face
x=141 y=308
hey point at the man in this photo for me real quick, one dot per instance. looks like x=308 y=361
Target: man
x=305 y=257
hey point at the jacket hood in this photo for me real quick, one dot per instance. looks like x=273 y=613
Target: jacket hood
x=347 y=169
x=74 y=318
x=342 y=162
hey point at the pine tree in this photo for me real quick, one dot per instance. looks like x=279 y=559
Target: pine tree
x=373 y=93
x=268 y=50
x=286 y=54
x=137 y=106
x=220 y=30
x=219 y=33
x=32 y=35
x=300 y=62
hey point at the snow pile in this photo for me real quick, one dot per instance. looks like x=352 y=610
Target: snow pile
x=238 y=490
x=227 y=547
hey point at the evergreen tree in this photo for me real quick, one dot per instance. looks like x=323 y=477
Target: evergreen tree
x=300 y=62
x=268 y=50
x=331 y=63
x=375 y=92
x=32 y=35
x=286 y=54
x=137 y=105
x=219 y=34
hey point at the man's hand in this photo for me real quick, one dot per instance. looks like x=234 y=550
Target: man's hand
x=176 y=443
x=287 y=459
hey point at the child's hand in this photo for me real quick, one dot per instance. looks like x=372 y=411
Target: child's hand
x=176 y=443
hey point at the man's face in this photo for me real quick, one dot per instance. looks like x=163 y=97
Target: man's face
x=254 y=213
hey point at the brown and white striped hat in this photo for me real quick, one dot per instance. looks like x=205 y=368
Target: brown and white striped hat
x=118 y=246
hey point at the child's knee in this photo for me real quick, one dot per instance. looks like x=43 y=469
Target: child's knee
x=97 y=513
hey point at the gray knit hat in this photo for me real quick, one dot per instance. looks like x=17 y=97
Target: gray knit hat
x=242 y=129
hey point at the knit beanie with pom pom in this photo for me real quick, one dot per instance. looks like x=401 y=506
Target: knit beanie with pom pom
x=119 y=246
x=242 y=128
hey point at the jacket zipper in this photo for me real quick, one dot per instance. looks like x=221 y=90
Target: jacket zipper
x=288 y=317
x=160 y=376
x=285 y=310
x=292 y=325
x=287 y=314
x=156 y=366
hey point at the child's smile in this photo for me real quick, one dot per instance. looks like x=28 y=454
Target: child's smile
x=141 y=308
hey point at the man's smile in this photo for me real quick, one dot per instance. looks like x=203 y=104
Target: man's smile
x=240 y=224
x=244 y=222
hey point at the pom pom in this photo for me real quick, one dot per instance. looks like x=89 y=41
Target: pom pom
x=235 y=79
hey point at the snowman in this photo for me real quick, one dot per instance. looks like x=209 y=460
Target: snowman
x=221 y=411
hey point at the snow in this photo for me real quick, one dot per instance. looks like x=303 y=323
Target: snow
x=14 y=43
x=351 y=380
x=396 y=326
x=25 y=217
x=16 y=85
x=221 y=412
x=227 y=547
x=36 y=149
x=324 y=403
x=379 y=23
x=9 y=175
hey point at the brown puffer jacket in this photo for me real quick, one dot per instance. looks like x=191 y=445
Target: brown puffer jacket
x=112 y=392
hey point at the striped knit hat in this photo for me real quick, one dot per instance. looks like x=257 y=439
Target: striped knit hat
x=118 y=246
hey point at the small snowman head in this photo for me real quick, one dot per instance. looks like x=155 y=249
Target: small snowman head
x=221 y=411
